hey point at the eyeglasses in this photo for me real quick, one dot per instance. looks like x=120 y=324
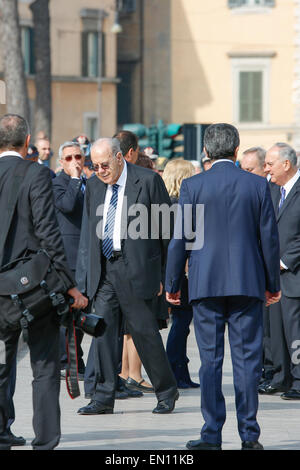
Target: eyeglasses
x=69 y=158
x=96 y=167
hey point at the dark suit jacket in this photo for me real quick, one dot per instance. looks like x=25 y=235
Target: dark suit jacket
x=240 y=254
x=288 y=220
x=144 y=258
x=68 y=200
x=34 y=225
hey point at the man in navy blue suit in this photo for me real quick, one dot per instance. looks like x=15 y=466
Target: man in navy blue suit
x=233 y=266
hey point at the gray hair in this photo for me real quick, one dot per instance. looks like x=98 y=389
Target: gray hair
x=67 y=144
x=13 y=131
x=221 y=141
x=260 y=154
x=113 y=143
x=286 y=152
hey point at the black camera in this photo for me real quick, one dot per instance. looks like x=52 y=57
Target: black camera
x=89 y=323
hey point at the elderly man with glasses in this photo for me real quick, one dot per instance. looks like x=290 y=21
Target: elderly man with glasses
x=68 y=189
x=124 y=271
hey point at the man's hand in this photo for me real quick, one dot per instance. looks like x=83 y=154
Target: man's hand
x=80 y=302
x=75 y=170
x=160 y=290
x=173 y=299
x=272 y=298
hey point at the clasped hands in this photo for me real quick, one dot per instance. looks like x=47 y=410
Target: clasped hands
x=271 y=298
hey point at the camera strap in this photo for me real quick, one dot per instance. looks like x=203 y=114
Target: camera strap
x=72 y=369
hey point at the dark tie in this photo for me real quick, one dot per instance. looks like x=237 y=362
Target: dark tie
x=282 y=198
x=107 y=243
x=83 y=185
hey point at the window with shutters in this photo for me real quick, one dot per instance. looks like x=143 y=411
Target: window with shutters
x=27 y=44
x=251 y=79
x=250 y=96
x=90 y=54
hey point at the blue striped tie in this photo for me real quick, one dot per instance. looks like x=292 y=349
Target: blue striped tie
x=107 y=243
x=282 y=190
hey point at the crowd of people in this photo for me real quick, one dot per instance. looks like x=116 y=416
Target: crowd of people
x=244 y=274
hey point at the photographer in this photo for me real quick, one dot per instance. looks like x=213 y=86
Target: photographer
x=34 y=227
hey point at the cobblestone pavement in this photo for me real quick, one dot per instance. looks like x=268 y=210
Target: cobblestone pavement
x=133 y=426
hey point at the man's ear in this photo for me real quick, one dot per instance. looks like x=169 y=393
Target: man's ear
x=236 y=152
x=26 y=144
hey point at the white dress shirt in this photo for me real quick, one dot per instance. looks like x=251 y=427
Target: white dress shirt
x=121 y=190
x=10 y=153
x=222 y=160
x=288 y=187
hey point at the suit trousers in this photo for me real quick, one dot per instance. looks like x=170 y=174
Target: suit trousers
x=11 y=386
x=285 y=333
x=89 y=374
x=176 y=346
x=268 y=366
x=245 y=329
x=115 y=293
x=44 y=357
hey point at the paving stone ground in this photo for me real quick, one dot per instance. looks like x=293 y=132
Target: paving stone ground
x=134 y=427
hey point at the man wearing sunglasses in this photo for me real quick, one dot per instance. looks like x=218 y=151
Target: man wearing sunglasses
x=68 y=188
x=124 y=272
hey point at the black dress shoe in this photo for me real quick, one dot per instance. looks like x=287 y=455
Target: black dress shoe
x=16 y=441
x=291 y=395
x=8 y=440
x=121 y=395
x=251 y=445
x=189 y=384
x=95 y=408
x=134 y=385
x=268 y=389
x=166 y=406
x=202 y=445
x=124 y=392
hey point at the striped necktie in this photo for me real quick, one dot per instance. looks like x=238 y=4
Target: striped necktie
x=107 y=242
x=282 y=198
x=83 y=185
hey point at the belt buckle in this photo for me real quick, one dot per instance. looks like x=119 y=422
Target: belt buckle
x=116 y=255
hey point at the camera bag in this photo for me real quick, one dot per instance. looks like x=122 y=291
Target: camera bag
x=30 y=287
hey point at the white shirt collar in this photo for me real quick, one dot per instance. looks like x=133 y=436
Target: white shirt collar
x=222 y=160
x=10 y=153
x=288 y=186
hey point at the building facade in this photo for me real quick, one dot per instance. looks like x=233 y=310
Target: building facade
x=235 y=61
